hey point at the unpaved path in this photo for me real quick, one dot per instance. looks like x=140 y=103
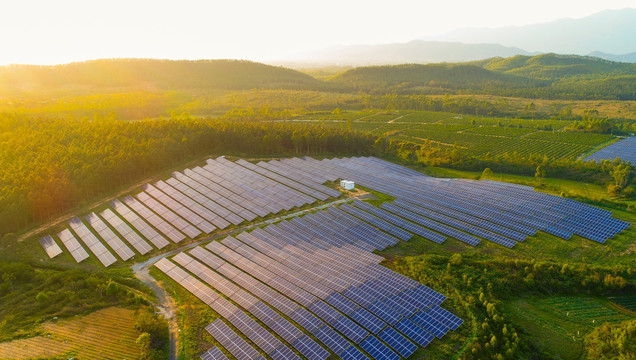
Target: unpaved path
x=166 y=306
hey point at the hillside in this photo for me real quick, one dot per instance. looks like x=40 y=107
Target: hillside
x=546 y=76
x=431 y=77
x=554 y=66
x=145 y=74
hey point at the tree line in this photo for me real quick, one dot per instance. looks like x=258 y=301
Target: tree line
x=51 y=165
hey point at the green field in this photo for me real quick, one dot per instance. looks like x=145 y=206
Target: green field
x=559 y=324
x=478 y=136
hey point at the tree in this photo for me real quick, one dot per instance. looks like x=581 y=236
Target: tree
x=487 y=174
x=143 y=343
x=540 y=174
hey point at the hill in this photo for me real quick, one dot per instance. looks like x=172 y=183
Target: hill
x=609 y=31
x=145 y=74
x=555 y=67
x=546 y=76
x=416 y=52
x=431 y=77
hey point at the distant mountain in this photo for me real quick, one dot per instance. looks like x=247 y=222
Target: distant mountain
x=413 y=52
x=609 y=31
x=628 y=58
x=117 y=74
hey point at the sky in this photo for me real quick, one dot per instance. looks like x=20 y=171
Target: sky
x=61 y=31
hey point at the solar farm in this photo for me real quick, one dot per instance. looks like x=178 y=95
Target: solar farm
x=624 y=149
x=198 y=201
x=310 y=286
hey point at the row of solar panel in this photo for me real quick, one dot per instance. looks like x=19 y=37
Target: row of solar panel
x=198 y=202
x=508 y=210
x=624 y=149
x=287 y=281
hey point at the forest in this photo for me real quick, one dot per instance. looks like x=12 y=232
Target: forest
x=53 y=165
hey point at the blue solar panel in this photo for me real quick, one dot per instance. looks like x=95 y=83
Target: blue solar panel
x=378 y=350
x=306 y=319
x=341 y=303
x=324 y=311
x=368 y=320
x=334 y=341
x=404 y=309
x=414 y=332
x=397 y=342
x=444 y=316
x=352 y=353
x=285 y=329
x=350 y=329
x=385 y=312
x=310 y=349
x=284 y=353
x=430 y=324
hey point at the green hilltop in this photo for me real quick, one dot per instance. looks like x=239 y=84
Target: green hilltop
x=147 y=74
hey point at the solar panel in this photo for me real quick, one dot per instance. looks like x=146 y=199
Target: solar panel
x=284 y=353
x=334 y=341
x=310 y=349
x=50 y=246
x=185 y=212
x=378 y=350
x=368 y=320
x=214 y=354
x=397 y=342
x=167 y=214
x=138 y=223
x=352 y=353
x=230 y=340
x=126 y=231
x=72 y=245
x=430 y=324
x=91 y=241
x=109 y=237
x=414 y=332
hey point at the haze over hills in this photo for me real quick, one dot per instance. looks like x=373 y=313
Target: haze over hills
x=609 y=31
x=147 y=74
x=416 y=51
x=608 y=35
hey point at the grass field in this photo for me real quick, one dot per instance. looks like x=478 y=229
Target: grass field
x=105 y=334
x=559 y=324
x=477 y=135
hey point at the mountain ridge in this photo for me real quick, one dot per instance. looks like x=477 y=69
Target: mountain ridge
x=608 y=31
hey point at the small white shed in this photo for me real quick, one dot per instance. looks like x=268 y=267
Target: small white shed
x=347 y=185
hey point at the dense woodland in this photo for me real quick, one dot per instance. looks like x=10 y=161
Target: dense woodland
x=52 y=165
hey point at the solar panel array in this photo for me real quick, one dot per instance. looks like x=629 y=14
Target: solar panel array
x=191 y=203
x=203 y=199
x=624 y=149
x=468 y=210
x=316 y=270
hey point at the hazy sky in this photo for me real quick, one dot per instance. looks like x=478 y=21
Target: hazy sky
x=59 y=31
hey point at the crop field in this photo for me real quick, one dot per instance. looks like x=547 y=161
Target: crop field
x=104 y=334
x=582 y=310
x=627 y=302
x=478 y=136
x=559 y=324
